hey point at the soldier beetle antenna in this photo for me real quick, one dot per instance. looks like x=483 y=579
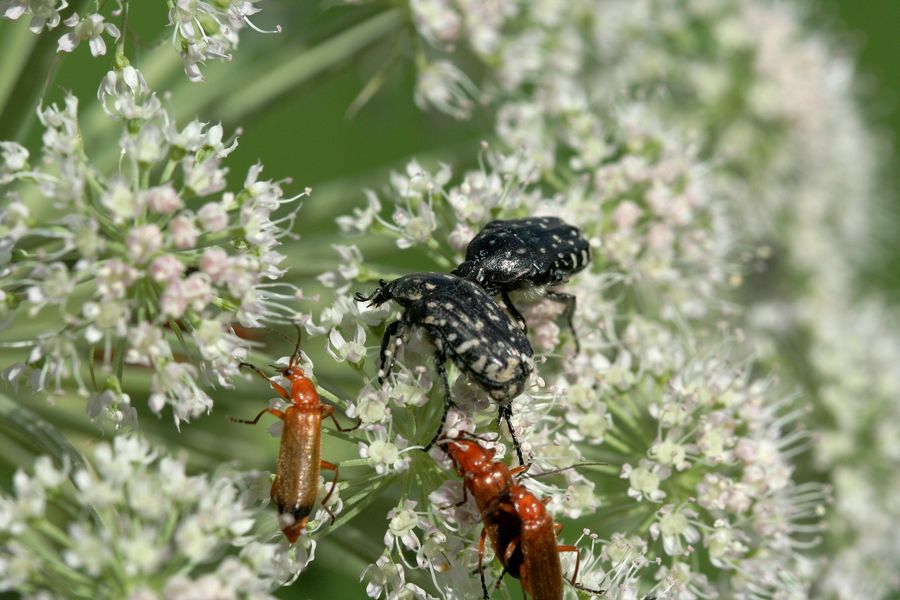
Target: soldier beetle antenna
x=561 y=469
x=296 y=484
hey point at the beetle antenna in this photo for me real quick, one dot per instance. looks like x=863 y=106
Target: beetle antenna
x=295 y=357
x=276 y=332
x=561 y=469
x=359 y=297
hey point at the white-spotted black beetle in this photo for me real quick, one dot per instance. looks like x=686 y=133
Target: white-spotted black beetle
x=520 y=253
x=467 y=326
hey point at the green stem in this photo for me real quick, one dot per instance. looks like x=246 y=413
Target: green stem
x=123 y=32
x=23 y=424
x=16 y=43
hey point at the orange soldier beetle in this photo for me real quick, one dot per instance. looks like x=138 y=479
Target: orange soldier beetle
x=518 y=525
x=296 y=482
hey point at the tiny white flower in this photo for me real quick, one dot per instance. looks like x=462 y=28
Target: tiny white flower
x=166 y=268
x=347 y=350
x=212 y=217
x=44 y=13
x=442 y=85
x=163 y=199
x=90 y=28
x=183 y=232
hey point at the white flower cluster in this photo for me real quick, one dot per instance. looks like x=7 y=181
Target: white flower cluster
x=772 y=106
x=776 y=106
x=131 y=523
x=201 y=30
x=137 y=260
x=208 y=30
x=699 y=453
x=772 y=103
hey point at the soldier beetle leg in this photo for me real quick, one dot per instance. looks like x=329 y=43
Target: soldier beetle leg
x=328 y=411
x=484 y=589
x=574 y=580
x=275 y=385
x=331 y=467
x=271 y=411
x=574 y=549
x=465 y=499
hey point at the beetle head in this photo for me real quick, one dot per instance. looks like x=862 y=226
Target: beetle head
x=475 y=271
x=468 y=456
x=376 y=298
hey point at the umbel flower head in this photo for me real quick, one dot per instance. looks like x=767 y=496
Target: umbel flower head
x=697 y=452
x=131 y=523
x=150 y=263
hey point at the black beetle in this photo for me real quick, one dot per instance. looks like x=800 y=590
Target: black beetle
x=467 y=326
x=522 y=253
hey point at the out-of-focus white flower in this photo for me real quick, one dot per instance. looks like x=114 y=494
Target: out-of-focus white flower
x=124 y=94
x=89 y=28
x=442 y=85
x=43 y=13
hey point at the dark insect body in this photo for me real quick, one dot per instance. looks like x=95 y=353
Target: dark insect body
x=296 y=484
x=466 y=326
x=520 y=529
x=522 y=253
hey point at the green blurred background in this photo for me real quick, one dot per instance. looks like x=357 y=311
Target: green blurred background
x=290 y=94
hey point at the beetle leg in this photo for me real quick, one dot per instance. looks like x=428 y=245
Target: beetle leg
x=275 y=386
x=569 y=301
x=500 y=579
x=394 y=330
x=465 y=499
x=504 y=295
x=331 y=467
x=520 y=470
x=481 y=562
x=273 y=411
x=511 y=549
x=505 y=413
x=440 y=363
x=574 y=580
x=507 y=557
x=577 y=559
x=328 y=411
